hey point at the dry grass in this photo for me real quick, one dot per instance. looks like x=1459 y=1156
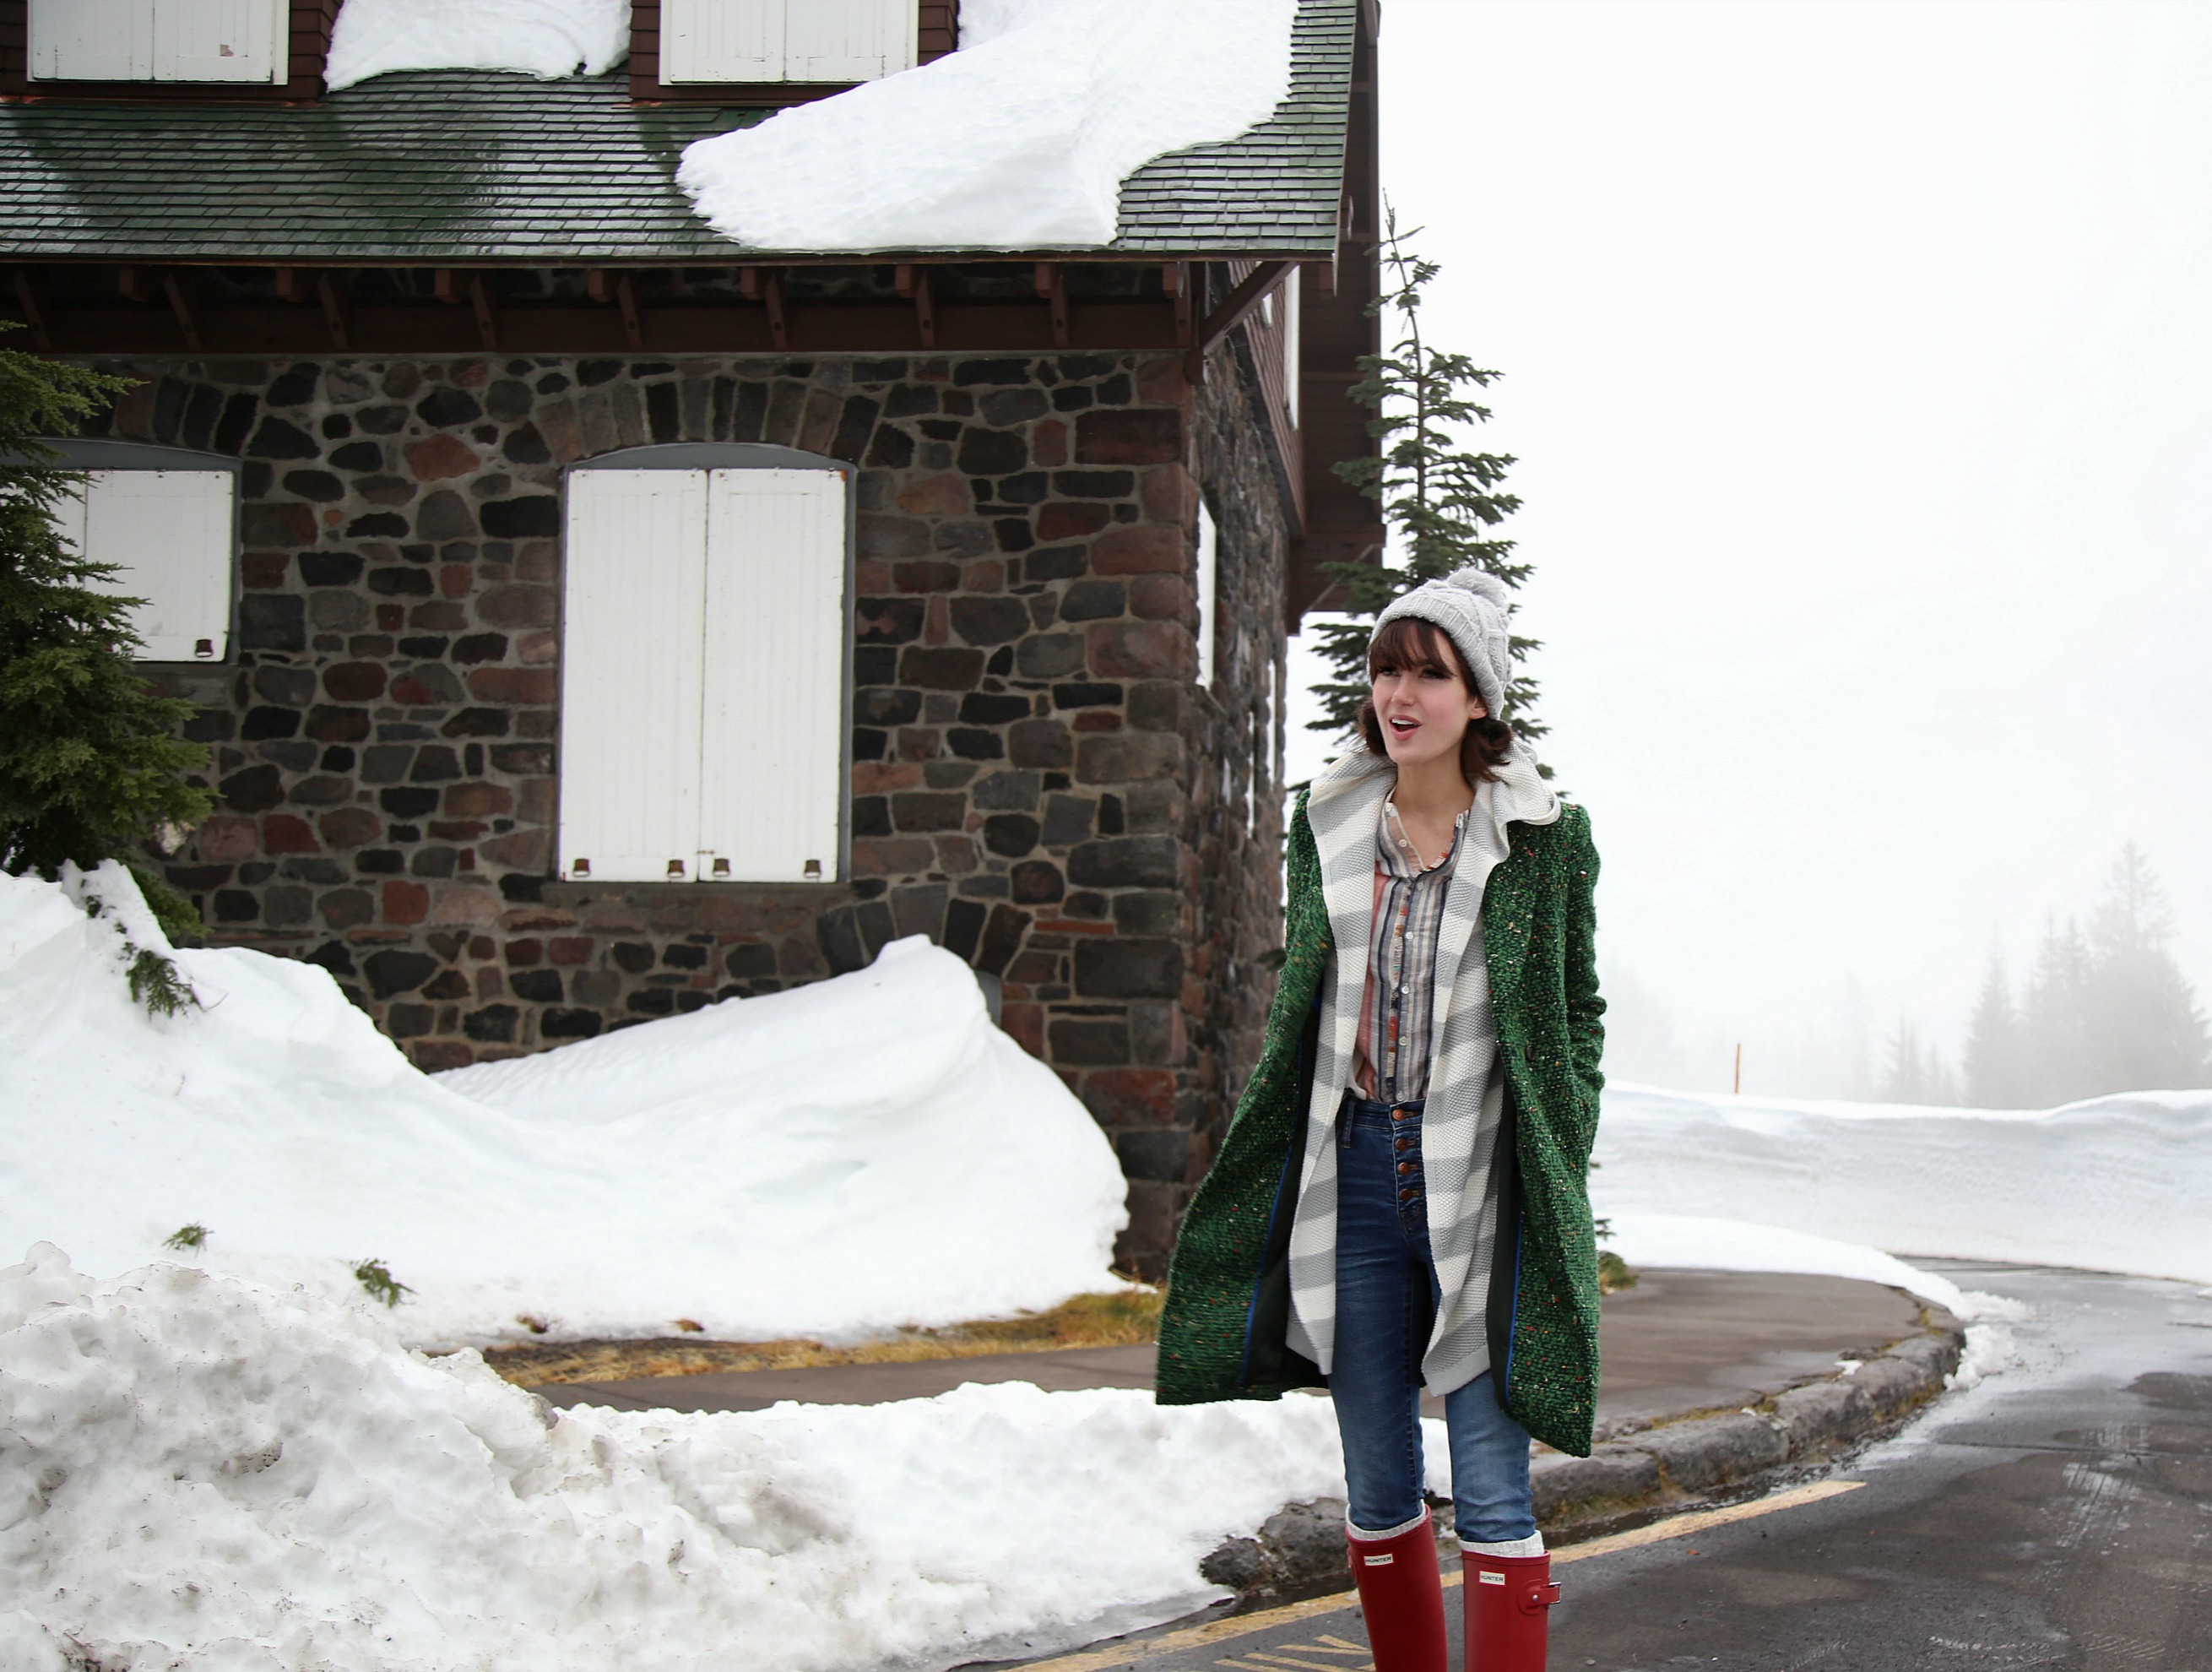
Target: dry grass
x=1126 y=1318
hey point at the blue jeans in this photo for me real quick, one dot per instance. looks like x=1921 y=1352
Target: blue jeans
x=1386 y=1300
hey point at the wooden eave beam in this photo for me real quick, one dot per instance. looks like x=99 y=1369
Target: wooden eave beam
x=181 y=305
x=1175 y=284
x=1241 y=301
x=765 y=285
x=481 y=303
x=334 y=312
x=1051 y=281
x=913 y=282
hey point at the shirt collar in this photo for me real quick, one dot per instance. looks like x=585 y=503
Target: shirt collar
x=1397 y=848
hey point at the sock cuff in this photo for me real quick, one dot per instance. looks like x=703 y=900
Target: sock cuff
x=1531 y=1546
x=1361 y=1536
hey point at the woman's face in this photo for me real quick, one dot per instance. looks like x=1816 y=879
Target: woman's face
x=1424 y=709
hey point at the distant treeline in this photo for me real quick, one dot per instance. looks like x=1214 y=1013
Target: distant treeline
x=2103 y=1008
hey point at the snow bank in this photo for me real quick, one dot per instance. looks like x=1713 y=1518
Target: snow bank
x=1664 y=1241
x=549 y=38
x=847 y=1157
x=1019 y=141
x=299 y=1489
x=2121 y=1183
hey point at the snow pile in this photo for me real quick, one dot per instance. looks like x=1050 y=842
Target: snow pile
x=1019 y=141
x=2121 y=1183
x=843 y=1158
x=299 y=1489
x=548 y=39
x=1664 y=1240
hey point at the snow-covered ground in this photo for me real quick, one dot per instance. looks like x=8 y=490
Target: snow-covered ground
x=303 y=1490
x=196 y=1470
x=2121 y=1183
x=743 y=1167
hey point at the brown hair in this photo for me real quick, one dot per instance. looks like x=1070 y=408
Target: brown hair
x=1412 y=643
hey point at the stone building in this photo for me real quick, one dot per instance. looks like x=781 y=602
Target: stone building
x=590 y=618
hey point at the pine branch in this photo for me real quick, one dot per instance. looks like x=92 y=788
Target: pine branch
x=1442 y=499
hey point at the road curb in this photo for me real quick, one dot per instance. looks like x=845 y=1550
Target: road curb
x=1642 y=1468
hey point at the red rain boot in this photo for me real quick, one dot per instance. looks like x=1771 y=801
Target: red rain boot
x=1402 y=1595
x=1509 y=1606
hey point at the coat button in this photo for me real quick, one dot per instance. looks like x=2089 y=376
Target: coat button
x=1404 y=1167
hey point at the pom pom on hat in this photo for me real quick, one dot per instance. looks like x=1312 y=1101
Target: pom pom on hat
x=1481 y=582
x=1470 y=604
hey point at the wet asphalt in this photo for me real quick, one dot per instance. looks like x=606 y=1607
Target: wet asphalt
x=2057 y=1515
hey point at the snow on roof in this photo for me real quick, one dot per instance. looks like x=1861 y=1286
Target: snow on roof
x=1019 y=141
x=549 y=38
x=745 y=1166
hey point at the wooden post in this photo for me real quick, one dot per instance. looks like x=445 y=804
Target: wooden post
x=1738 y=1067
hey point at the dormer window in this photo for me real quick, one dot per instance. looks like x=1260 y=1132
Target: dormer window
x=237 y=41
x=786 y=40
x=779 y=52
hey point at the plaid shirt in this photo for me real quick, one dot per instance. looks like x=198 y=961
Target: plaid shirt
x=1394 y=1018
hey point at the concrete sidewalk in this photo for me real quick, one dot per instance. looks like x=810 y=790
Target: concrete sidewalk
x=1677 y=1342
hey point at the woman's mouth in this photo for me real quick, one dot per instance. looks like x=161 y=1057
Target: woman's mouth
x=1403 y=727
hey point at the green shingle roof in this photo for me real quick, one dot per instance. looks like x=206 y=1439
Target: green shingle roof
x=450 y=165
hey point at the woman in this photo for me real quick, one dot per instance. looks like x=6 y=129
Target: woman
x=1400 y=1202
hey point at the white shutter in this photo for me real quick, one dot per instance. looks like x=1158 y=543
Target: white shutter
x=774 y=743
x=722 y=40
x=167 y=534
x=630 y=682
x=220 y=41
x=160 y=40
x=849 y=40
x=92 y=40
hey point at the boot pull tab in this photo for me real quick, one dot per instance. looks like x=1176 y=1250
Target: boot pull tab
x=1538 y=1597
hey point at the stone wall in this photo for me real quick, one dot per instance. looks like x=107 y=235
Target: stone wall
x=1036 y=782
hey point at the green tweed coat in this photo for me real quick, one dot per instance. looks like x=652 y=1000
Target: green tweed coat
x=1228 y=1301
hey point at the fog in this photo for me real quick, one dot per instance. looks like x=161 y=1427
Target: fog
x=1858 y=361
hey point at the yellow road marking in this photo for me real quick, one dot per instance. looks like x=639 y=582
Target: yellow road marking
x=1245 y=1624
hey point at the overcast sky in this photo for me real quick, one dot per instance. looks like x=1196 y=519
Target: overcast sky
x=1859 y=368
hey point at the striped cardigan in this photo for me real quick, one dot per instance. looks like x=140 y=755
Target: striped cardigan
x=1460 y=1120
x=1226 y=1331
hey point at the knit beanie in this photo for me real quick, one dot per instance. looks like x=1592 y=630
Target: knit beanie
x=1470 y=606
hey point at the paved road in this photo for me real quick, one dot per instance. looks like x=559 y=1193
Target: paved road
x=2059 y=1514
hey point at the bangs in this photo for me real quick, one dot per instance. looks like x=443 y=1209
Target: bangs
x=1411 y=645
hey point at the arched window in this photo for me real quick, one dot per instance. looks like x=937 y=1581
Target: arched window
x=166 y=519
x=705 y=660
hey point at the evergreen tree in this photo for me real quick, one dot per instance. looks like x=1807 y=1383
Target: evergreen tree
x=1996 y=1066
x=1915 y=1072
x=1442 y=498
x=90 y=762
x=2060 y=1055
x=2144 y=1028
